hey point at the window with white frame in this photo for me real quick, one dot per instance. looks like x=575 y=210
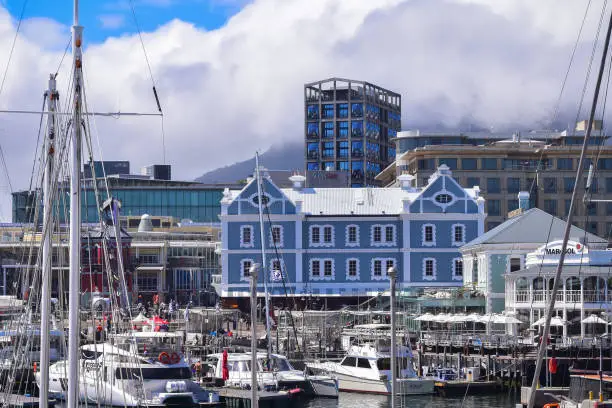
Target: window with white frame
x=429 y=235
x=429 y=269
x=315 y=268
x=246 y=236
x=328 y=234
x=245 y=266
x=352 y=235
x=322 y=236
x=352 y=269
x=276 y=236
x=380 y=267
x=382 y=235
x=458 y=234
x=315 y=235
x=322 y=269
x=457 y=269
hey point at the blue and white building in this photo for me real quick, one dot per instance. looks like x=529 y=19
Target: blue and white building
x=340 y=242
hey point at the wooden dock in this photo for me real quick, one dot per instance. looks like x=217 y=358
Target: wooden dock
x=238 y=398
x=544 y=395
x=24 y=401
x=455 y=388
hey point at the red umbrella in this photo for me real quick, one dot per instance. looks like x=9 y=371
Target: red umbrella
x=225 y=369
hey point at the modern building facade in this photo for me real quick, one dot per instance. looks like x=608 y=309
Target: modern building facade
x=542 y=164
x=504 y=249
x=176 y=261
x=339 y=243
x=349 y=126
x=180 y=199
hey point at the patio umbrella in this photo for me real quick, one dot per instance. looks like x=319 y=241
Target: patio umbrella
x=458 y=318
x=501 y=319
x=594 y=319
x=555 y=321
x=427 y=317
x=473 y=317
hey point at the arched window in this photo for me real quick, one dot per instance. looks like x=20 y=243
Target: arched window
x=522 y=284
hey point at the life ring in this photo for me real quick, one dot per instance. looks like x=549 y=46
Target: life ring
x=164 y=358
x=175 y=358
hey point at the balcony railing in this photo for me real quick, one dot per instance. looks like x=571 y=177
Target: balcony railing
x=567 y=296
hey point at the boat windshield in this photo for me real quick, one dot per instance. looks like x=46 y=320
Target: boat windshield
x=275 y=364
x=163 y=373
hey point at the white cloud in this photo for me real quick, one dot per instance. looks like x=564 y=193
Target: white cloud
x=112 y=21
x=230 y=91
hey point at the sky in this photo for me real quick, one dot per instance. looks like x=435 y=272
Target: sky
x=230 y=73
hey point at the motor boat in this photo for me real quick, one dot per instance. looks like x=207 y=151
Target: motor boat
x=366 y=368
x=273 y=373
x=116 y=377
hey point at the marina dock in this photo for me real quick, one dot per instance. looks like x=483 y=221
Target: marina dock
x=24 y=401
x=460 y=387
x=238 y=398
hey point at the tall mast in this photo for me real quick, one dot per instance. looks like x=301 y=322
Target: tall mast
x=556 y=283
x=75 y=215
x=263 y=254
x=47 y=229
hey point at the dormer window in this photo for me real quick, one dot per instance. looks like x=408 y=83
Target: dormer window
x=443 y=198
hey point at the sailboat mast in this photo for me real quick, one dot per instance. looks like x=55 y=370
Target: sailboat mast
x=263 y=253
x=45 y=299
x=75 y=215
x=568 y=225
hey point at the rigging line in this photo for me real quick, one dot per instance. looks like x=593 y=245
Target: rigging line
x=144 y=51
x=564 y=82
x=550 y=306
x=591 y=59
x=10 y=56
x=64 y=56
x=8 y=177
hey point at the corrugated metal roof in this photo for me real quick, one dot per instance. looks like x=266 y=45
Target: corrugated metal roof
x=350 y=201
x=532 y=226
x=346 y=201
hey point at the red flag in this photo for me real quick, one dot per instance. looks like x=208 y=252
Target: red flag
x=225 y=369
x=552 y=365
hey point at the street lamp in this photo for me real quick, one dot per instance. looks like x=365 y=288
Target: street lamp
x=392 y=272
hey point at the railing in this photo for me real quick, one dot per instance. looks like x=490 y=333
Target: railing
x=521 y=296
x=569 y=296
x=594 y=296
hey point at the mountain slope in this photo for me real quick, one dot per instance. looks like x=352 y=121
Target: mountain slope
x=289 y=156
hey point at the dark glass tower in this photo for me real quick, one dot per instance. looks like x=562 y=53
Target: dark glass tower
x=348 y=127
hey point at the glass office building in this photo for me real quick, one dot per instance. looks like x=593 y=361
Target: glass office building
x=349 y=126
x=183 y=200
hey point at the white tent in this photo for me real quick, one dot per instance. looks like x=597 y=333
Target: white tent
x=502 y=319
x=555 y=321
x=594 y=319
x=427 y=317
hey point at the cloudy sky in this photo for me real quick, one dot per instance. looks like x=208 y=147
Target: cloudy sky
x=230 y=73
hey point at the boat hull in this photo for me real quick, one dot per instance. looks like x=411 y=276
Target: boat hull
x=405 y=386
x=323 y=386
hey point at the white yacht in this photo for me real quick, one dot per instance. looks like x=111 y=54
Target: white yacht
x=115 y=377
x=273 y=374
x=367 y=369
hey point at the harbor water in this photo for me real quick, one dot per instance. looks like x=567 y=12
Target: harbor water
x=350 y=400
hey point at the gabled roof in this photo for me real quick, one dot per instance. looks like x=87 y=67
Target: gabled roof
x=532 y=226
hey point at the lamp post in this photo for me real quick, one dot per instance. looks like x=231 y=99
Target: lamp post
x=253 y=272
x=392 y=272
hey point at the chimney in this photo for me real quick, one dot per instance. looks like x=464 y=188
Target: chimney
x=523 y=198
x=298 y=181
x=405 y=181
